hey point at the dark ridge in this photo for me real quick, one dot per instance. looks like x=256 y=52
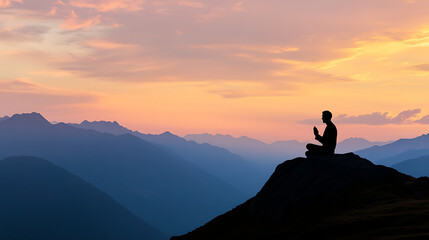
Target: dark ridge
x=328 y=197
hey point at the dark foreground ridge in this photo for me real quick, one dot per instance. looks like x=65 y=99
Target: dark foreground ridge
x=328 y=197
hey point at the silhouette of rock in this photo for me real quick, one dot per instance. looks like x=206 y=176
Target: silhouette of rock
x=328 y=197
x=42 y=201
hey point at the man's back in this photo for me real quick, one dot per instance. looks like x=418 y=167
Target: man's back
x=330 y=137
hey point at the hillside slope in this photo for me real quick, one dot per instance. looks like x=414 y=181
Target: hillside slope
x=42 y=201
x=328 y=197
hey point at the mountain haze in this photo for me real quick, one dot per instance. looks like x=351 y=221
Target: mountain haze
x=229 y=167
x=378 y=153
x=163 y=189
x=407 y=155
x=355 y=144
x=275 y=152
x=418 y=167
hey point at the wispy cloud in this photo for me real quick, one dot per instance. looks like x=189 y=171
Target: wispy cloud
x=74 y=22
x=375 y=118
x=423 y=120
x=23 y=93
x=23 y=33
x=103 y=44
x=422 y=67
x=194 y=4
x=7 y=3
x=108 y=5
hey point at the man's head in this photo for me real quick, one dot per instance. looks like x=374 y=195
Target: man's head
x=326 y=116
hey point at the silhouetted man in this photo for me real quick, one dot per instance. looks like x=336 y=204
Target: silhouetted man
x=328 y=140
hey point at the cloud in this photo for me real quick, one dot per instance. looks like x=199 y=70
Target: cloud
x=194 y=4
x=376 y=118
x=103 y=44
x=247 y=89
x=423 y=120
x=75 y=23
x=42 y=100
x=22 y=93
x=8 y=3
x=211 y=41
x=108 y=5
x=18 y=85
x=422 y=67
x=23 y=33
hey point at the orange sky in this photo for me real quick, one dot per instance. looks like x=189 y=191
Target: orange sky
x=262 y=69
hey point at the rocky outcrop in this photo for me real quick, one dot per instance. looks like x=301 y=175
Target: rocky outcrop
x=328 y=197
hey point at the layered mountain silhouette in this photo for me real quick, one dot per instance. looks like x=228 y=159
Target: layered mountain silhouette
x=158 y=186
x=42 y=201
x=230 y=168
x=270 y=155
x=387 y=154
x=328 y=197
x=407 y=155
x=3 y=118
x=253 y=149
x=103 y=126
x=417 y=167
x=354 y=144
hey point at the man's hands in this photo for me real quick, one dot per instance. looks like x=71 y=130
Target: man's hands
x=316 y=132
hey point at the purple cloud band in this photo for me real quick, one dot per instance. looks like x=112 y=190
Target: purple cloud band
x=376 y=118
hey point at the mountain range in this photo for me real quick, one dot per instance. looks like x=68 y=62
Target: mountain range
x=267 y=156
x=176 y=184
x=378 y=153
x=231 y=168
x=275 y=152
x=42 y=201
x=161 y=188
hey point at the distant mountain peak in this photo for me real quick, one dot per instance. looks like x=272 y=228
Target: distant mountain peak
x=4 y=118
x=167 y=133
x=171 y=136
x=101 y=122
x=103 y=126
x=355 y=140
x=28 y=120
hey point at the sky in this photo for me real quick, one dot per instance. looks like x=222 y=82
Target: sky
x=262 y=69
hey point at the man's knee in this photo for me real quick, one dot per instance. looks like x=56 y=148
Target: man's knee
x=311 y=147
